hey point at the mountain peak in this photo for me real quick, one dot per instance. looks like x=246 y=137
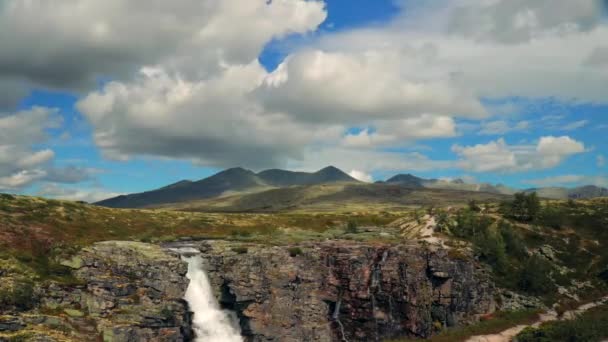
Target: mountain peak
x=332 y=174
x=406 y=179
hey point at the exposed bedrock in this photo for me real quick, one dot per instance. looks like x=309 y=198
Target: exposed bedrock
x=345 y=291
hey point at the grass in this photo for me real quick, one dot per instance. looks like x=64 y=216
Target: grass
x=38 y=233
x=496 y=323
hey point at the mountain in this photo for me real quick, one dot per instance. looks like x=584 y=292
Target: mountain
x=282 y=178
x=407 y=180
x=224 y=183
x=277 y=188
x=336 y=197
x=583 y=192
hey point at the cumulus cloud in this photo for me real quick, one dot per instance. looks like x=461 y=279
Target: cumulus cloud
x=186 y=82
x=367 y=161
x=395 y=132
x=336 y=86
x=21 y=163
x=498 y=156
x=516 y=21
x=210 y=122
x=598 y=57
x=114 y=38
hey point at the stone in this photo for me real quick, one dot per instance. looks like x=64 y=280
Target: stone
x=11 y=324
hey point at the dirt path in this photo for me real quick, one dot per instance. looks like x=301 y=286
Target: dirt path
x=551 y=315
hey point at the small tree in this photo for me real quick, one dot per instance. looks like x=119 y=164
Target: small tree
x=351 y=227
x=524 y=207
x=473 y=206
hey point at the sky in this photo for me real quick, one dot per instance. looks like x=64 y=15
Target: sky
x=100 y=98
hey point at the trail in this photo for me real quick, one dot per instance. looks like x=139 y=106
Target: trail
x=551 y=315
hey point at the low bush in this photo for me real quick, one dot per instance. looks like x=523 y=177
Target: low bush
x=294 y=251
x=240 y=250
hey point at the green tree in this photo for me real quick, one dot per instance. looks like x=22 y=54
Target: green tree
x=534 y=277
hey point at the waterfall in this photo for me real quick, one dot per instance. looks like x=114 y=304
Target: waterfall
x=210 y=322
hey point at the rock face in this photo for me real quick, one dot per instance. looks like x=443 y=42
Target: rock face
x=342 y=291
x=125 y=291
x=330 y=291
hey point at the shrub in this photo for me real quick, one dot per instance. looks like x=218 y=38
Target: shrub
x=351 y=227
x=294 y=251
x=240 y=250
x=534 y=276
x=552 y=217
x=490 y=247
x=20 y=295
x=473 y=206
x=524 y=207
x=514 y=244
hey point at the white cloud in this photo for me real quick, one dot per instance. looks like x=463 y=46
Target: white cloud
x=21 y=162
x=90 y=195
x=210 y=122
x=575 y=125
x=534 y=68
x=569 y=180
x=335 y=86
x=68 y=44
x=395 y=132
x=362 y=176
x=517 y=21
x=187 y=83
x=498 y=156
x=367 y=161
x=501 y=127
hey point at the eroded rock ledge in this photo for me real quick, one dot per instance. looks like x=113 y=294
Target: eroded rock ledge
x=329 y=291
x=345 y=291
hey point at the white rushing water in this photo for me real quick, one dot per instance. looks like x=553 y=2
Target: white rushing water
x=210 y=322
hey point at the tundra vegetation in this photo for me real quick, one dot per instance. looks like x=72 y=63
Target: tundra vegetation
x=553 y=250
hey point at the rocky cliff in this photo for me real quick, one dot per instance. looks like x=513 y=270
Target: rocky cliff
x=330 y=291
x=343 y=291
x=123 y=291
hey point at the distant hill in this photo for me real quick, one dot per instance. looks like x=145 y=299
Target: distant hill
x=407 y=180
x=224 y=183
x=277 y=189
x=337 y=197
x=583 y=192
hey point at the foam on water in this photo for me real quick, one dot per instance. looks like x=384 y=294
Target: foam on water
x=210 y=322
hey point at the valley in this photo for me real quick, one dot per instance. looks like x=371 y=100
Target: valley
x=318 y=262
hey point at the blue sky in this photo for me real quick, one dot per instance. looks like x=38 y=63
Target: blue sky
x=364 y=85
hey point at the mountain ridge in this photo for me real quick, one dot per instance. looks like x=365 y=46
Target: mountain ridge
x=229 y=181
x=238 y=180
